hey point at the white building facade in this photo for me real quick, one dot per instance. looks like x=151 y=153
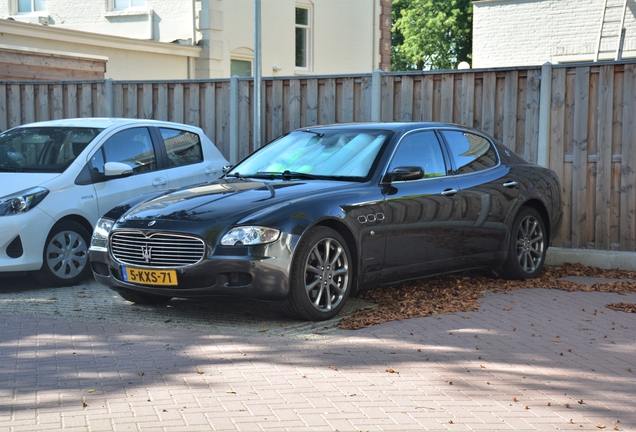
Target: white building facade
x=532 y=32
x=205 y=38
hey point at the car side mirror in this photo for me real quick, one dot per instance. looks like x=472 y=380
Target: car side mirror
x=116 y=169
x=404 y=173
x=227 y=168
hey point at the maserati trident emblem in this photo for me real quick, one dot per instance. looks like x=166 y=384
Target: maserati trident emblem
x=151 y=223
x=146 y=253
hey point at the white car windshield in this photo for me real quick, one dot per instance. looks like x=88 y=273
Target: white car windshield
x=43 y=149
x=320 y=153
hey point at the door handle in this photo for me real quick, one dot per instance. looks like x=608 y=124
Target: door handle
x=159 y=182
x=510 y=184
x=210 y=170
x=449 y=192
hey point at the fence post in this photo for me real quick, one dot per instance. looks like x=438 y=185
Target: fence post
x=234 y=116
x=545 y=103
x=108 y=97
x=376 y=95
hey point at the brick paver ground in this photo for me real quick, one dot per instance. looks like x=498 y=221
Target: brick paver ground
x=532 y=359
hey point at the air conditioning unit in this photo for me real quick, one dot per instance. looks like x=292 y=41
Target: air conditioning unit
x=33 y=19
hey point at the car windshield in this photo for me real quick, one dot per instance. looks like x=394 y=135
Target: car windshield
x=42 y=149
x=320 y=153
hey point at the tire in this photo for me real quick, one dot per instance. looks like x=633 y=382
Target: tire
x=144 y=298
x=321 y=276
x=528 y=246
x=65 y=255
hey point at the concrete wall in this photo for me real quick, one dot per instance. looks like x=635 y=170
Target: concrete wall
x=532 y=32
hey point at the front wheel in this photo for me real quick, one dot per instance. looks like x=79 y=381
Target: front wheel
x=528 y=246
x=321 y=276
x=65 y=255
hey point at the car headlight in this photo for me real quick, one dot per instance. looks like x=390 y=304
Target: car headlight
x=249 y=235
x=99 y=240
x=22 y=202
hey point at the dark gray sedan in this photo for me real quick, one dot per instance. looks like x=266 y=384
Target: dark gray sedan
x=325 y=211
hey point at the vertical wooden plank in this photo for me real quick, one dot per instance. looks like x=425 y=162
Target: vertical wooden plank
x=100 y=100
x=405 y=110
x=488 y=103
x=42 y=102
x=15 y=106
x=426 y=100
x=468 y=99
x=364 y=103
x=327 y=106
x=293 y=104
x=276 y=109
x=557 y=126
x=131 y=101
x=346 y=101
x=208 y=107
x=604 y=157
x=3 y=107
x=146 y=111
x=161 y=103
x=194 y=115
x=223 y=118
x=617 y=139
x=479 y=96
x=531 y=133
x=58 y=102
x=177 y=107
x=28 y=104
x=628 y=162
x=311 y=103
x=387 y=110
x=579 y=160
x=70 y=101
x=86 y=100
x=446 y=103
x=511 y=83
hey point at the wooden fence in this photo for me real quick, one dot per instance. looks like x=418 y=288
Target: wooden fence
x=577 y=119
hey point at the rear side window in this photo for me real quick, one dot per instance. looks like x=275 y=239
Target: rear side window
x=183 y=148
x=132 y=146
x=470 y=152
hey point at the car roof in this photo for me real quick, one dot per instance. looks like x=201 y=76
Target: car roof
x=99 y=122
x=392 y=126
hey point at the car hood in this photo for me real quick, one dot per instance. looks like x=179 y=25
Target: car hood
x=16 y=182
x=223 y=199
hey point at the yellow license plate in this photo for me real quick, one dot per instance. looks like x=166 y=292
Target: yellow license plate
x=149 y=277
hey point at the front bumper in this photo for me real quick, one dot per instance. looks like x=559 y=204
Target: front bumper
x=260 y=273
x=22 y=239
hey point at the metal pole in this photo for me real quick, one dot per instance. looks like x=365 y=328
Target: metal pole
x=257 y=74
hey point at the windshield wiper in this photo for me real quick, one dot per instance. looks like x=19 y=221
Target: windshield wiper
x=299 y=175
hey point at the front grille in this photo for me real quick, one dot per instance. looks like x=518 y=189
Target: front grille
x=156 y=249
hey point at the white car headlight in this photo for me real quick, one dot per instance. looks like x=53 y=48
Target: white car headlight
x=99 y=240
x=250 y=235
x=22 y=202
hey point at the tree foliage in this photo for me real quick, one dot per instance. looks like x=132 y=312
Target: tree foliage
x=431 y=34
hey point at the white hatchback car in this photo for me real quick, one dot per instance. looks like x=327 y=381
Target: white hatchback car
x=58 y=177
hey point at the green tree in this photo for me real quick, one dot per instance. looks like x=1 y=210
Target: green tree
x=431 y=34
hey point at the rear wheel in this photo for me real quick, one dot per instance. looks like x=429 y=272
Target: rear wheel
x=144 y=298
x=528 y=246
x=65 y=255
x=321 y=276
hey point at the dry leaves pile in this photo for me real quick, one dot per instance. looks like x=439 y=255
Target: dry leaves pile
x=460 y=293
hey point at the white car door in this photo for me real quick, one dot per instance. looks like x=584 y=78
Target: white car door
x=192 y=157
x=133 y=147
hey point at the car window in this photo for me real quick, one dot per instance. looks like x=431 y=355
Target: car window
x=43 y=149
x=132 y=147
x=470 y=152
x=420 y=149
x=183 y=148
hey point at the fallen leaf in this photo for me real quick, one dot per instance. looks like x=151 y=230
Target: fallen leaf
x=141 y=373
x=580 y=402
x=91 y=391
x=230 y=392
x=389 y=370
x=200 y=372
x=84 y=404
x=450 y=422
x=600 y=426
x=262 y=330
x=514 y=399
x=77 y=309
